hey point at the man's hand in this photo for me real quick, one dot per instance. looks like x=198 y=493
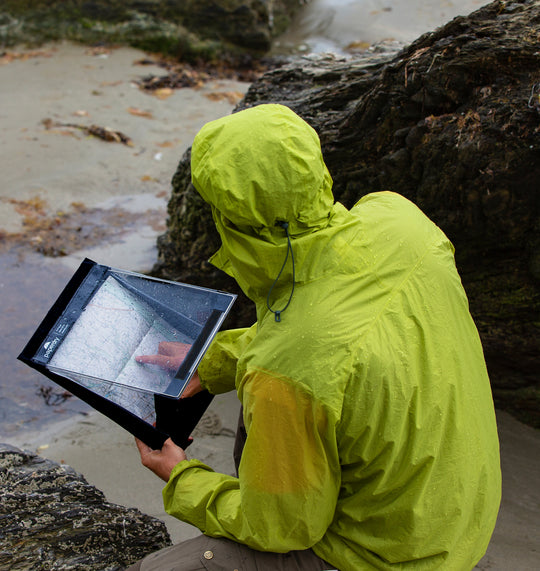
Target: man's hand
x=170 y=356
x=193 y=387
x=161 y=462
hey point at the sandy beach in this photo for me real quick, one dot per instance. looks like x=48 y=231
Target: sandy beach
x=48 y=162
x=47 y=170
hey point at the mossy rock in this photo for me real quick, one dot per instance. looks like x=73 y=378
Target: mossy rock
x=189 y=30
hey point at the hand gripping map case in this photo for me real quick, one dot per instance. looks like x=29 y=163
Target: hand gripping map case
x=104 y=319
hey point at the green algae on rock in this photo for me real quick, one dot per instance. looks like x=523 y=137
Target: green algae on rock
x=188 y=30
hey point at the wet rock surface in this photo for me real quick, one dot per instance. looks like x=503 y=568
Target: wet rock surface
x=51 y=518
x=452 y=122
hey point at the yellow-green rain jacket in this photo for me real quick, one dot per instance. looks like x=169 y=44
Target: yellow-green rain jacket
x=371 y=428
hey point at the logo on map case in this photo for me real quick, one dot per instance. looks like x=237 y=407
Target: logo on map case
x=49 y=347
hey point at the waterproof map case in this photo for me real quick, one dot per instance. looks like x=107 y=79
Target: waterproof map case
x=103 y=320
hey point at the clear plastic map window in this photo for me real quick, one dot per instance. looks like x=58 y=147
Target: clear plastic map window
x=115 y=316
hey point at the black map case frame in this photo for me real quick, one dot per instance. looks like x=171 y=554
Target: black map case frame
x=104 y=307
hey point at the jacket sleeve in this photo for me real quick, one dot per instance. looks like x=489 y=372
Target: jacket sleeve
x=289 y=477
x=217 y=369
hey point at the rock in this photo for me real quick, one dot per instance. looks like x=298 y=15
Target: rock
x=453 y=123
x=51 y=518
x=187 y=29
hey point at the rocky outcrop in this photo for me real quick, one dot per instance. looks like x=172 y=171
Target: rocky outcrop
x=186 y=29
x=51 y=518
x=453 y=123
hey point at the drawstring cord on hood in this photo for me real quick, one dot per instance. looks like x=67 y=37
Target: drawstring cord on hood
x=277 y=313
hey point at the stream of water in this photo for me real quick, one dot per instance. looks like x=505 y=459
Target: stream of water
x=336 y=25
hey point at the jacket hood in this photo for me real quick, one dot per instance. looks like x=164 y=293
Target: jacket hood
x=258 y=168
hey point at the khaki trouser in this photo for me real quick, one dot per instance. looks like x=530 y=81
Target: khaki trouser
x=212 y=554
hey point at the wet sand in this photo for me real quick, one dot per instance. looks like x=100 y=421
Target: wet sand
x=72 y=84
x=60 y=167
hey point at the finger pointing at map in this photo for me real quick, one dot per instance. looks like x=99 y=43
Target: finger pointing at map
x=169 y=356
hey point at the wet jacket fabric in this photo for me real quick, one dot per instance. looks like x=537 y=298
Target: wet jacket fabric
x=371 y=433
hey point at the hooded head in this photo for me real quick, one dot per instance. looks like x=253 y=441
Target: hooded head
x=258 y=168
x=261 y=166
